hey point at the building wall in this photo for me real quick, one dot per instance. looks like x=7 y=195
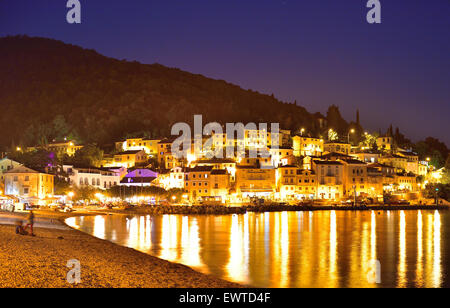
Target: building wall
x=255 y=181
x=304 y=146
x=198 y=185
x=330 y=178
x=94 y=178
x=29 y=185
x=343 y=148
x=355 y=179
x=385 y=143
x=6 y=165
x=149 y=146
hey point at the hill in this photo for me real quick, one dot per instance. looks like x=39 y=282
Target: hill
x=46 y=83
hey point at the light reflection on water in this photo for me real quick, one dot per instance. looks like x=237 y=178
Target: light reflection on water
x=292 y=249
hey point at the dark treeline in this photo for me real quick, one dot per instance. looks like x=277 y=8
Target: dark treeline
x=50 y=90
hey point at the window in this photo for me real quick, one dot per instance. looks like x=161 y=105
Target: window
x=27 y=178
x=25 y=190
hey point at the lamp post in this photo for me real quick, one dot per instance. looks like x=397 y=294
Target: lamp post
x=352 y=131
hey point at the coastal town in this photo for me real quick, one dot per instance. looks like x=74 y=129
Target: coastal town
x=299 y=169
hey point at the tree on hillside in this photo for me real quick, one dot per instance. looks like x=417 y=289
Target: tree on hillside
x=335 y=120
x=89 y=155
x=434 y=149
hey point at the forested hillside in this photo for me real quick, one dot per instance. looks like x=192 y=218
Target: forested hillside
x=46 y=83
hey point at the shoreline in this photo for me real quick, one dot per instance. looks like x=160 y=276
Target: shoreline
x=41 y=261
x=221 y=210
x=106 y=264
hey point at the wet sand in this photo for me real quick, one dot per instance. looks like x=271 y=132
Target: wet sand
x=41 y=261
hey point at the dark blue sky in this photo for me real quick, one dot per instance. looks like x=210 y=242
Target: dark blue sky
x=318 y=52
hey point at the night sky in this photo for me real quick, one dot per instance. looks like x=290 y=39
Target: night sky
x=318 y=52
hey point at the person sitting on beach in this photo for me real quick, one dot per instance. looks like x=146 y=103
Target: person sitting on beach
x=30 y=222
x=19 y=228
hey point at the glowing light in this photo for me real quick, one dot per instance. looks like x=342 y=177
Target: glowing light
x=402 y=252
x=99 y=196
x=71 y=194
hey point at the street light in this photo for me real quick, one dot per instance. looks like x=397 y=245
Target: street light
x=302 y=131
x=352 y=131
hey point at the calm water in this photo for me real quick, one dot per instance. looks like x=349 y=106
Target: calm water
x=293 y=249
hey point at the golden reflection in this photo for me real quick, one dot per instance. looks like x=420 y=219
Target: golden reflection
x=284 y=258
x=190 y=242
x=133 y=232
x=333 y=250
x=237 y=270
x=429 y=250
x=289 y=249
x=365 y=261
x=436 y=276
x=99 y=226
x=373 y=236
x=169 y=237
x=402 y=252
x=419 y=268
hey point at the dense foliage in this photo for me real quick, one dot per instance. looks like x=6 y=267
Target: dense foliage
x=50 y=90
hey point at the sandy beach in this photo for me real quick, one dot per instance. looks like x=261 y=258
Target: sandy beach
x=41 y=261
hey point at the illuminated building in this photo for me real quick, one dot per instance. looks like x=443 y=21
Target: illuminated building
x=164 y=147
x=255 y=182
x=422 y=169
x=287 y=181
x=99 y=178
x=150 y=146
x=169 y=179
x=262 y=138
x=198 y=183
x=337 y=147
x=412 y=161
x=139 y=177
x=28 y=184
x=6 y=164
x=306 y=146
x=219 y=185
x=64 y=148
x=330 y=175
x=218 y=164
x=127 y=159
x=307 y=185
x=281 y=156
x=398 y=162
x=405 y=182
x=385 y=143
x=355 y=178
x=367 y=157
